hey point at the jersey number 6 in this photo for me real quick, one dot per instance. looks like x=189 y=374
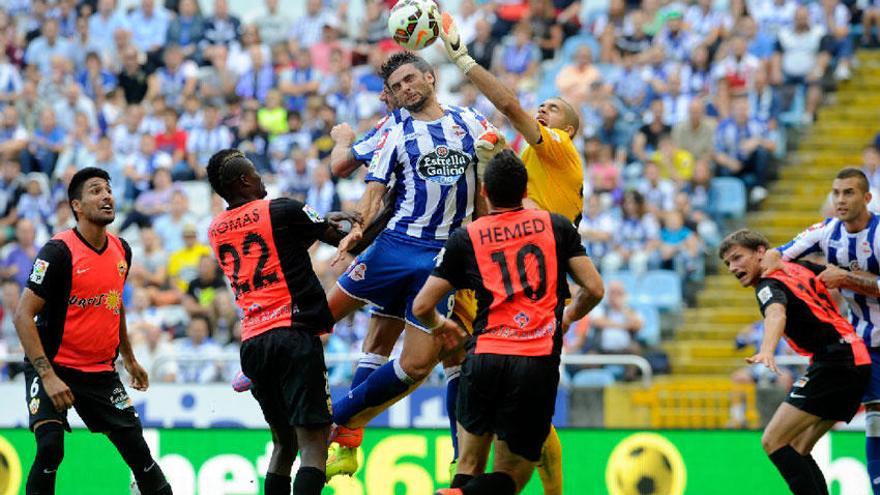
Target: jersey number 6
x=259 y=279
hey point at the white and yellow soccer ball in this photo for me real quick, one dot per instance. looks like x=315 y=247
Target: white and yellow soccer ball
x=414 y=24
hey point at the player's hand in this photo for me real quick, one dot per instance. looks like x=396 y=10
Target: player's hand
x=336 y=219
x=140 y=380
x=451 y=334
x=342 y=133
x=771 y=261
x=766 y=359
x=347 y=243
x=489 y=144
x=833 y=276
x=455 y=48
x=58 y=391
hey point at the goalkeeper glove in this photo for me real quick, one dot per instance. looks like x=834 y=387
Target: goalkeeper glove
x=455 y=48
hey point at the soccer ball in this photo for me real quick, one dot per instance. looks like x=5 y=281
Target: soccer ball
x=414 y=24
x=644 y=470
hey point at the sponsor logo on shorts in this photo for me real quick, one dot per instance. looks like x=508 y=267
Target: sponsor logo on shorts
x=34 y=405
x=358 y=272
x=39 y=271
x=801 y=382
x=120 y=400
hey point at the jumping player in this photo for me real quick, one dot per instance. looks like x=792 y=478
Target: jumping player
x=262 y=246
x=431 y=158
x=75 y=293
x=795 y=303
x=517 y=261
x=851 y=245
x=555 y=175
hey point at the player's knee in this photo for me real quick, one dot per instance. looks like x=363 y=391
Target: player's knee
x=770 y=443
x=50 y=445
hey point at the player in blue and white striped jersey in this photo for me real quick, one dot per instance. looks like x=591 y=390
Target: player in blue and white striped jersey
x=850 y=243
x=430 y=157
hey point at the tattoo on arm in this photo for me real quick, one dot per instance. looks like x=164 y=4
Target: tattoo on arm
x=41 y=364
x=863 y=284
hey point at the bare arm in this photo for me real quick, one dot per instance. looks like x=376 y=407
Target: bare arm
x=368 y=207
x=140 y=380
x=864 y=283
x=774 y=327
x=590 y=291
x=29 y=306
x=342 y=160
x=424 y=308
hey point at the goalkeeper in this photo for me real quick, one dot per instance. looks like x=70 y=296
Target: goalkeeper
x=555 y=183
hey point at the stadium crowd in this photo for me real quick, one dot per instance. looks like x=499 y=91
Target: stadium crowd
x=672 y=98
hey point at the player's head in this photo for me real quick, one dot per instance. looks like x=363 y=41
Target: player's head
x=233 y=177
x=557 y=113
x=505 y=179
x=850 y=194
x=91 y=197
x=742 y=252
x=409 y=79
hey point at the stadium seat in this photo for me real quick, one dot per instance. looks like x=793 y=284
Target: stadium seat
x=727 y=197
x=597 y=378
x=199 y=195
x=650 y=332
x=629 y=280
x=572 y=44
x=661 y=289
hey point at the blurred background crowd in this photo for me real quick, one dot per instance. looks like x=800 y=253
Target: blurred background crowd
x=685 y=108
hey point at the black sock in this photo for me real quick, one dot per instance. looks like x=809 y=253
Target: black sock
x=795 y=470
x=135 y=452
x=50 y=452
x=309 y=481
x=459 y=480
x=490 y=484
x=276 y=484
x=818 y=477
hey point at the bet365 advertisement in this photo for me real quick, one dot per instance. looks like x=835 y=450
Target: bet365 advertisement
x=415 y=462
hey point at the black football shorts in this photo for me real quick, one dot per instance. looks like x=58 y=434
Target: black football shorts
x=830 y=391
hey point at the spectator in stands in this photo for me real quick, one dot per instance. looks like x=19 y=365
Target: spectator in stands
x=617 y=324
x=659 y=193
x=545 y=28
x=11 y=188
x=35 y=204
x=149 y=26
x=40 y=51
x=306 y=30
x=10 y=79
x=183 y=264
x=613 y=131
x=680 y=248
x=177 y=78
x=13 y=135
x=187 y=29
x=19 y=259
x=708 y=24
x=202 y=142
x=597 y=228
x=871 y=165
x=295 y=174
x=520 y=56
x=192 y=115
x=676 y=41
x=764 y=100
x=253 y=141
x=126 y=137
x=170 y=225
x=743 y=148
x=637 y=237
x=255 y=83
x=44 y=145
x=484 y=46
x=735 y=73
x=95 y=80
x=801 y=59
x=322 y=193
x=608 y=26
x=149 y=261
x=272 y=117
x=645 y=141
x=134 y=80
x=221 y=29
x=273 y=25
x=870 y=20
x=774 y=15
x=696 y=74
x=104 y=22
x=153 y=349
x=674 y=163
x=198 y=343
x=697 y=220
x=576 y=79
x=217 y=81
x=833 y=16
x=202 y=290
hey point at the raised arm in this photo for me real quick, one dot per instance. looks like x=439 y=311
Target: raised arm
x=368 y=207
x=342 y=159
x=503 y=97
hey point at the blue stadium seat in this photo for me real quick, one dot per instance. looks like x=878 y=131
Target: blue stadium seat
x=597 y=378
x=650 y=332
x=573 y=43
x=727 y=197
x=661 y=289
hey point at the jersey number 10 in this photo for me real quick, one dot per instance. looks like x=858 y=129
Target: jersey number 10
x=532 y=292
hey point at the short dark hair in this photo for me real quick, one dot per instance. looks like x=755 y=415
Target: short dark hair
x=400 y=59
x=506 y=179
x=746 y=238
x=852 y=172
x=224 y=167
x=75 y=189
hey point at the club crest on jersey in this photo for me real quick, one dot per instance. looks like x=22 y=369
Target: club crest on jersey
x=39 y=271
x=443 y=165
x=522 y=319
x=34 y=405
x=122 y=266
x=854 y=265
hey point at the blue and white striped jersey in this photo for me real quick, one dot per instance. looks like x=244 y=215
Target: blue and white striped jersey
x=364 y=148
x=433 y=165
x=857 y=251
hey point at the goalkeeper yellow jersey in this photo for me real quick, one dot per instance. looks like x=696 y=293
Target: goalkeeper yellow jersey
x=556 y=177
